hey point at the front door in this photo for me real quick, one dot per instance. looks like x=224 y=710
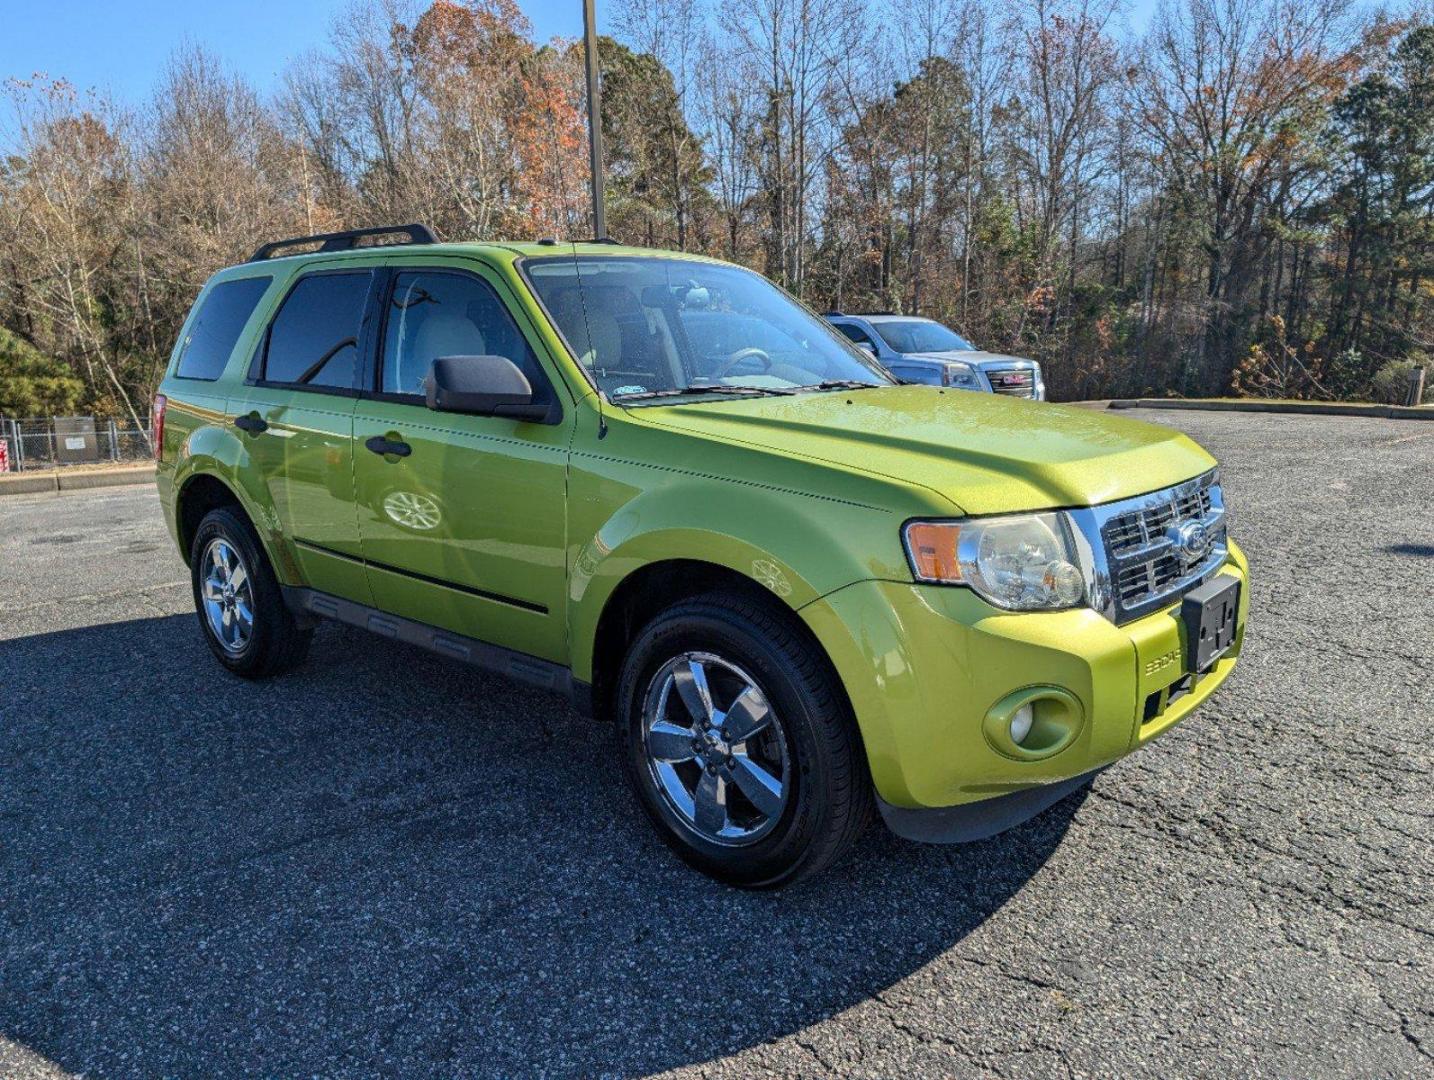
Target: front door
x=462 y=518
x=296 y=415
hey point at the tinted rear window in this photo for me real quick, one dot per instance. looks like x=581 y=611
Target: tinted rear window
x=853 y=333
x=217 y=327
x=313 y=340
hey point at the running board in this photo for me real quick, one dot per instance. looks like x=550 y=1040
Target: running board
x=307 y=604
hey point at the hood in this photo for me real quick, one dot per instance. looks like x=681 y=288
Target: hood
x=984 y=453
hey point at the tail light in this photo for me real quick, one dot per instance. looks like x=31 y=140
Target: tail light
x=156 y=429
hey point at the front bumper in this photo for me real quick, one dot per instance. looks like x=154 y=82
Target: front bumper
x=923 y=665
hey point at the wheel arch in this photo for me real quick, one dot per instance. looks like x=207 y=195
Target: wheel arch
x=200 y=494
x=653 y=588
x=203 y=491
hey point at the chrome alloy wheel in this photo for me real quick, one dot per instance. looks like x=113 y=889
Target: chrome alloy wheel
x=715 y=749
x=227 y=595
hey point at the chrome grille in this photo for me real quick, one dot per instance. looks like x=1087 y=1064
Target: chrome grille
x=1015 y=382
x=1149 y=564
x=1144 y=553
x=1143 y=526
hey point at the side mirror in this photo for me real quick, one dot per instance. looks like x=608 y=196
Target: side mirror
x=482 y=386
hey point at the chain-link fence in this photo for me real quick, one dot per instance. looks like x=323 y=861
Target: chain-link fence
x=48 y=442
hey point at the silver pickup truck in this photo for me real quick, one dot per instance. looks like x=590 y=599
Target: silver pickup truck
x=923 y=351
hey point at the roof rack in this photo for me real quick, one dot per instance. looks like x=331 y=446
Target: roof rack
x=549 y=241
x=348 y=239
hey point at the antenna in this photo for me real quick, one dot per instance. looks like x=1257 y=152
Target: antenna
x=583 y=303
x=590 y=51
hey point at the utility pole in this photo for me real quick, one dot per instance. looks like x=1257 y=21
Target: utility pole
x=590 y=49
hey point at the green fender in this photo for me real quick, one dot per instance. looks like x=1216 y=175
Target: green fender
x=788 y=545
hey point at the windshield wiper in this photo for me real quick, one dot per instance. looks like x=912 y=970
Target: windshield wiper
x=840 y=384
x=646 y=395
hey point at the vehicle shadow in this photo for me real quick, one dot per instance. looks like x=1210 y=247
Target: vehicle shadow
x=1418 y=550
x=383 y=863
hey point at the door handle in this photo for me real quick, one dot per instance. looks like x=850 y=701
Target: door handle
x=252 y=424
x=381 y=445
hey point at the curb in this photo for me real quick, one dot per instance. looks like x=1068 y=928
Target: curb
x=73 y=479
x=1307 y=408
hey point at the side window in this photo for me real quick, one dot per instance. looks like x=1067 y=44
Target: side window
x=217 y=326
x=313 y=341
x=432 y=314
x=854 y=333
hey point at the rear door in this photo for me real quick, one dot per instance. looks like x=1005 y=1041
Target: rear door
x=296 y=413
x=465 y=528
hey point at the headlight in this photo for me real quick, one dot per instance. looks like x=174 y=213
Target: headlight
x=961 y=376
x=1022 y=562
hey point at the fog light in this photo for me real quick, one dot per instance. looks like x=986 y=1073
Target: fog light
x=1033 y=723
x=1021 y=721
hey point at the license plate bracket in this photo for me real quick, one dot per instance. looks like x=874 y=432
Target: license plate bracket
x=1209 y=615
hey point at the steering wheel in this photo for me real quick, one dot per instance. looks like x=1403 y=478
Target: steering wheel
x=737 y=357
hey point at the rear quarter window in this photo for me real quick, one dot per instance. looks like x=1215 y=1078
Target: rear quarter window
x=217 y=325
x=853 y=333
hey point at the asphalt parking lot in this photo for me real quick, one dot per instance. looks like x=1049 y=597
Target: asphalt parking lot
x=384 y=864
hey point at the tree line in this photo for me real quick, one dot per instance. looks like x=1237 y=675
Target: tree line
x=1238 y=199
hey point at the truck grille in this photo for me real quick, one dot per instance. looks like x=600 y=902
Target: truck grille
x=1016 y=382
x=1160 y=546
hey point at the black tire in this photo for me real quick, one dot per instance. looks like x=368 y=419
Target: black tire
x=829 y=801
x=276 y=642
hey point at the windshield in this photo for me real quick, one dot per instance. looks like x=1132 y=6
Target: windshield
x=667 y=327
x=920 y=336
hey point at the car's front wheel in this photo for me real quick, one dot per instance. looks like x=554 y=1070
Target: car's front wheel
x=241 y=608
x=739 y=743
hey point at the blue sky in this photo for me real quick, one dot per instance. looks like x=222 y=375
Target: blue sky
x=121 y=45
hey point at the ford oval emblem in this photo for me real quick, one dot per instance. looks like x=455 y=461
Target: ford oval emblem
x=1191 y=539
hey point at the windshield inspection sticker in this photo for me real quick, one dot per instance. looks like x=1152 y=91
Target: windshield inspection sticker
x=630 y=390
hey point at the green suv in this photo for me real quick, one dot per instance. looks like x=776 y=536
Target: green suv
x=656 y=484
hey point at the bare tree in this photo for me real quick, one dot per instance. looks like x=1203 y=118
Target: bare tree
x=1065 y=69
x=727 y=109
x=796 y=41
x=672 y=32
x=72 y=191
x=1232 y=90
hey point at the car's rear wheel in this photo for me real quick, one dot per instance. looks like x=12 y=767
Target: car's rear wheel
x=740 y=744
x=240 y=606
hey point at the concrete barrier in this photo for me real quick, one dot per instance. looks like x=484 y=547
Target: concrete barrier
x=1306 y=408
x=74 y=479
x=28 y=483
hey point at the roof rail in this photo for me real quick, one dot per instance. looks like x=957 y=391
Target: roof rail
x=348 y=239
